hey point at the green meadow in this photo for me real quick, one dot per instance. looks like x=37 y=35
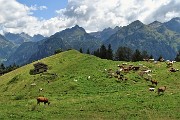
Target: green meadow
x=75 y=97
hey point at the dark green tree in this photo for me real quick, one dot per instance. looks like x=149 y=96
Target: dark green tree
x=2 y=67
x=151 y=57
x=80 y=50
x=58 y=51
x=109 y=54
x=123 y=54
x=145 y=54
x=88 y=51
x=160 y=58
x=178 y=57
x=96 y=53
x=137 y=56
x=103 y=52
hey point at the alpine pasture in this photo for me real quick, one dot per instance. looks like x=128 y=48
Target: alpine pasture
x=78 y=87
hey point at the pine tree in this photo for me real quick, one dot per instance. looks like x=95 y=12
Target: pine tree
x=96 y=53
x=160 y=58
x=80 y=50
x=123 y=54
x=109 y=54
x=102 y=52
x=145 y=55
x=137 y=56
x=2 y=67
x=88 y=51
x=151 y=57
x=178 y=57
x=58 y=51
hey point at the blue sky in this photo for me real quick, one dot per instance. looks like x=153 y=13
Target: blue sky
x=52 y=6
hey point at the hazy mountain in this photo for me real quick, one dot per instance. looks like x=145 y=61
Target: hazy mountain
x=155 y=24
x=37 y=37
x=18 y=39
x=75 y=37
x=153 y=38
x=173 y=24
x=106 y=33
x=156 y=38
x=6 y=48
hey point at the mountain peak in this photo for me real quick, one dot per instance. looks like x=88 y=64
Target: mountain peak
x=173 y=24
x=155 y=24
x=136 y=24
x=77 y=27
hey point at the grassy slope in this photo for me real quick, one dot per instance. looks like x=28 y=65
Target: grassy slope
x=97 y=98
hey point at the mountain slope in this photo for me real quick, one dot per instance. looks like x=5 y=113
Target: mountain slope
x=73 y=96
x=173 y=24
x=6 y=48
x=75 y=37
x=106 y=33
x=154 y=38
x=18 y=39
x=22 y=53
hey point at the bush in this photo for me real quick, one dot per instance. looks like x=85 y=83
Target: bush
x=14 y=79
x=19 y=97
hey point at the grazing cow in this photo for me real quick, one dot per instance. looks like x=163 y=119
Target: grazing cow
x=88 y=77
x=33 y=84
x=161 y=89
x=42 y=99
x=169 y=63
x=118 y=72
x=40 y=89
x=154 y=82
x=172 y=70
x=135 y=68
x=151 y=89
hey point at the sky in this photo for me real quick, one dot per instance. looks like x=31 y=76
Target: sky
x=47 y=17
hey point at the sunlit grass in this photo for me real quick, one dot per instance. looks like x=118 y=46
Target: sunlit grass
x=73 y=96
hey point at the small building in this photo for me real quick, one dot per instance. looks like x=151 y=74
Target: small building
x=39 y=68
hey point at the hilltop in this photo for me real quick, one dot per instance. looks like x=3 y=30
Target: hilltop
x=74 y=96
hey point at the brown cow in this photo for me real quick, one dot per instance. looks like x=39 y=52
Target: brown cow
x=161 y=89
x=154 y=82
x=42 y=99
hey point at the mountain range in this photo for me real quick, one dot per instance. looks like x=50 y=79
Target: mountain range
x=158 y=39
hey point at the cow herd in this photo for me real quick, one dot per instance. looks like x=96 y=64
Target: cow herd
x=120 y=75
x=143 y=71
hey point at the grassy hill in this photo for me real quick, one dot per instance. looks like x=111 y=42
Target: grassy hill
x=73 y=96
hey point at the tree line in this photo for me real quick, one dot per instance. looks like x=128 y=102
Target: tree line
x=4 y=69
x=123 y=54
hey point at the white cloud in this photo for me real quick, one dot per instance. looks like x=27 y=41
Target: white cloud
x=93 y=15
x=35 y=7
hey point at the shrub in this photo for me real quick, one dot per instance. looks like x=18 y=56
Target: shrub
x=19 y=97
x=14 y=79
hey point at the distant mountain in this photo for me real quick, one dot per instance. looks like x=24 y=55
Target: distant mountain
x=106 y=33
x=158 y=39
x=155 y=24
x=37 y=38
x=173 y=24
x=22 y=53
x=18 y=39
x=6 y=48
x=75 y=37
x=155 y=38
